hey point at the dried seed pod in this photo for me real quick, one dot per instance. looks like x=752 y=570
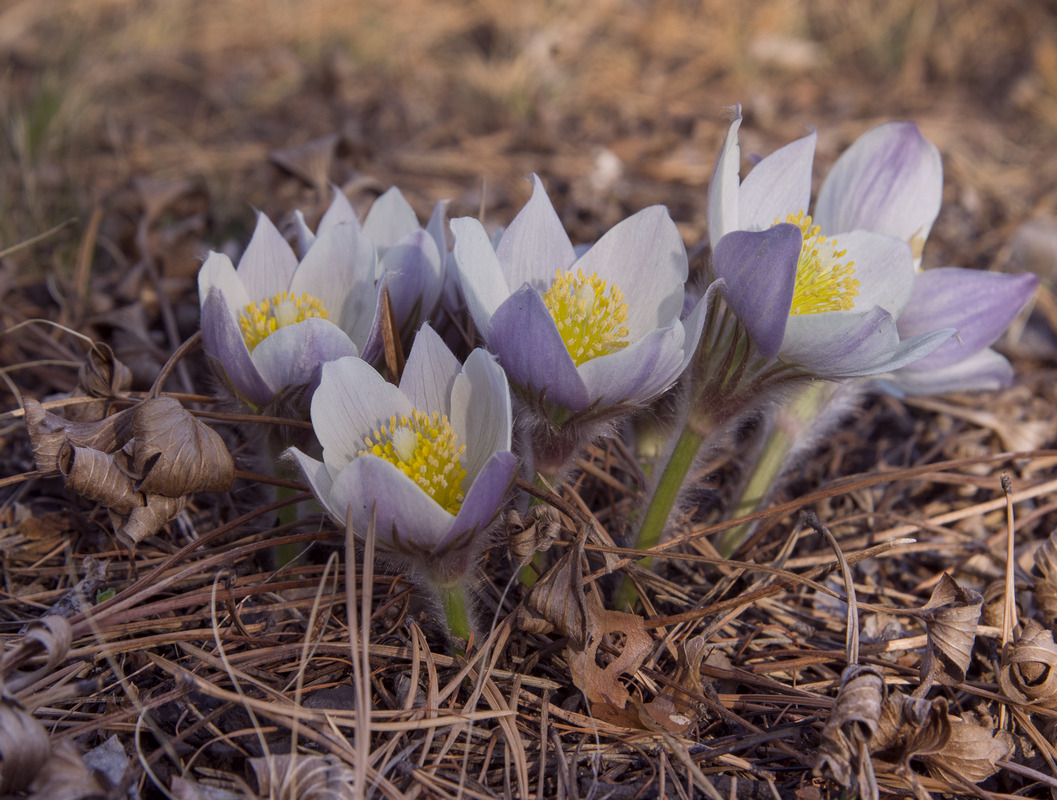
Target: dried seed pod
x=1029 y=667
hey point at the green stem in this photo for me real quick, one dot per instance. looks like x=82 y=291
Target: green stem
x=286 y=553
x=454 y=599
x=661 y=504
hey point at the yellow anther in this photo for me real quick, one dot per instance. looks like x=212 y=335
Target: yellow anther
x=266 y=317
x=426 y=449
x=591 y=320
x=823 y=283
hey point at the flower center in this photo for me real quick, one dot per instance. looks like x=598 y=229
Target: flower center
x=823 y=283
x=590 y=319
x=426 y=449
x=264 y=318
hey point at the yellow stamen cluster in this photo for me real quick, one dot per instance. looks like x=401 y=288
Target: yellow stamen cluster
x=590 y=320
x=823 y=283
x=264 y=318
x=426 y=449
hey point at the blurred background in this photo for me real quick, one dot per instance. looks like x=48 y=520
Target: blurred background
x=162 y=124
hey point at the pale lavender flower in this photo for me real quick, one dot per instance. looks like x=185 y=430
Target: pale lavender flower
x=582 y=338
x=411 y=259
x=822 y=299
x=431 y=458
x=269 y=325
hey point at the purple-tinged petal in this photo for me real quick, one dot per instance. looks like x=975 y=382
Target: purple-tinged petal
x=437 y=227
x=219 y=273
x=843 y=344
x=294 y=354
x=759 y=271
x=429 y=373
x=644 y=256
x=532 y=352
x=481 y=412
x=723 y=188
x=483 y=500
x=414 y=268
x=406 y=515
x=889 y=181
x=390 y=220
x=778 y=186
x=339 y=270
x=884 y=267
x=351 y=402
x=535 y=245
x=982 y=371
x=339 y=212
x=222 y=340
x=639 y=372
x=317 y=475
x=268 y=263
x=979 y=304
x=484 y=286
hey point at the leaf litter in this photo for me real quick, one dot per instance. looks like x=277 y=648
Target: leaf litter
x=141 y=609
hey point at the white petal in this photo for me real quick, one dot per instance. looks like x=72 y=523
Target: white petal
x=268 y=263
x=218 y=272
x=723 y=189
x=390 y=219
x=480 y=410
x=884 y=267
x=778 y=186
x=429 y=373
x=351 y=402
x=483 y=284
x=535 y=245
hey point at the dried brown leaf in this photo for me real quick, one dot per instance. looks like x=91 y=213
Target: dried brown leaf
x=1029 y=667
x=910 y=727
x=50 y=634
x=101 y=375
x=49 y=432
x=1046 y=583
x=310 y=161
x=175 y=454
x=557 y=600
x=24 y=748
x=971 y=753
x=843 y=749
x=950 y=616
x=65 y=776
x=96 y=476
x=295 y=775
x=147 y=520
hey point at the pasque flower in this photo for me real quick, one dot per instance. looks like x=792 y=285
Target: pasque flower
x=809 y=291
x=411 y=259
x=270 y=324
x=890 y=181
x=430 y=458
x=579 y=337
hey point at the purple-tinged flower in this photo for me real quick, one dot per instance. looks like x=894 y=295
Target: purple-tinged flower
x=431 y=457
x=822 y=299
x=269 y=325
x=594 y=331
x=411 y=259
x=890 y=181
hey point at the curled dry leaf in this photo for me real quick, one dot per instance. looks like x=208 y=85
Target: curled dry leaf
x=1029 y=667
x=101 y=375
x=910 y=727
x=843 y=750
x=175 y=453
x=296 y=775
x=49 y=432
x=65 y=776
x=535 y=533
x=970 y=754
x=950 y=616
x=1046 y=583
x=148 y=519
x=95 y=475
x=557 y=600
x=52 y=635
x=23 y=748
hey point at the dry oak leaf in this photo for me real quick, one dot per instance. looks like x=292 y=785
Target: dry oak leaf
x=950 y=616
x=1029 y=667
x=971 y=754
x=843 y=750
x=1046 y=583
